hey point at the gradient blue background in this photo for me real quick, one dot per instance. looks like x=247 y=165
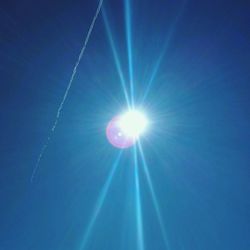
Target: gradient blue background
x=197 y=148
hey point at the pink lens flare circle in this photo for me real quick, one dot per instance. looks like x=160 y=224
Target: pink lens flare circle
x=116 y=135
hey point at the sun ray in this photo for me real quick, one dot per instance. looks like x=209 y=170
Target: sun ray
x=139 y=222
x=153 y=196
x=129 y=48
x=116 y=56
x=100 y=202
x=163 y=52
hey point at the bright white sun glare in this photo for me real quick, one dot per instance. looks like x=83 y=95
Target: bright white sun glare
x=133 y=123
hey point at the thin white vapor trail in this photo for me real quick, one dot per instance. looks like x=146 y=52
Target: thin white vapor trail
x=67 y=90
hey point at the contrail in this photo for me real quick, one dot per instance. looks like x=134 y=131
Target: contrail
x=67 y=90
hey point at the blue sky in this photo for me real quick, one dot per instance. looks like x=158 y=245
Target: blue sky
x=190 y=62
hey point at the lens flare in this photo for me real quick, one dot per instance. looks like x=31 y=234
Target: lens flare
x=124 y=130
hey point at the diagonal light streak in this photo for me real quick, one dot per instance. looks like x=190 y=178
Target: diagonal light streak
x=165 y=47
x=100 y=202
x=129 y=47
x=60 y=108
x=154 y=199
x=115 y=55
x=139 y=223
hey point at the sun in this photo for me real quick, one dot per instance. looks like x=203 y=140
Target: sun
x=133 y=123
x=125 y=129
